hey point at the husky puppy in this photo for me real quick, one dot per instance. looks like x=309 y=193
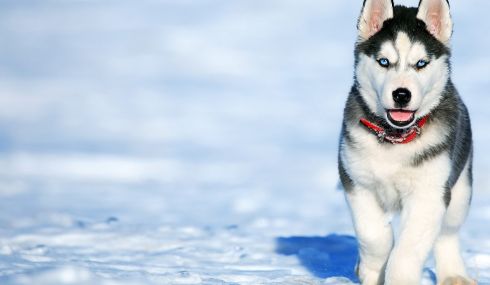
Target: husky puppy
x=406 y=145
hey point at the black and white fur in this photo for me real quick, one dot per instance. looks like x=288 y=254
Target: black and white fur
x=427 y=181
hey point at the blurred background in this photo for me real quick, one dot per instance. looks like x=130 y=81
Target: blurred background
x=191 y=116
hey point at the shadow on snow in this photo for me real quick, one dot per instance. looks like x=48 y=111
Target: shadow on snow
x=330 y=256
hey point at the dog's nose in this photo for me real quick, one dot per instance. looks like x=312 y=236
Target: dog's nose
x=402 y=97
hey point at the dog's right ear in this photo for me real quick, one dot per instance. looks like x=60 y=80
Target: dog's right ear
x=373 y=15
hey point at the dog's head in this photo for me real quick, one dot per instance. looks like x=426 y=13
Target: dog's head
x=402 y=58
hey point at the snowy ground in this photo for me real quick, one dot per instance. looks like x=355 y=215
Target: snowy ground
x=193 y=142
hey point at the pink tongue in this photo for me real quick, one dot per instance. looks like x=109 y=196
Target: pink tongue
x=401 y=116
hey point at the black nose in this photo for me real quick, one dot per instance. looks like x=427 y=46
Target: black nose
x=402 y=97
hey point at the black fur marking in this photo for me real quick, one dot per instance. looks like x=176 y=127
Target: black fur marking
x=356 y=107
x=345 y=178
x=460 y=140
x=347 y=136
x=429 y=154
x=452 y=114
x=470 y=174
x=447 y=197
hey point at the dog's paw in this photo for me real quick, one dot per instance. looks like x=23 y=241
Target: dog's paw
x=369 y=277
x=458 y=281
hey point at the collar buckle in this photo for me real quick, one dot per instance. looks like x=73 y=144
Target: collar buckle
x=417 y=129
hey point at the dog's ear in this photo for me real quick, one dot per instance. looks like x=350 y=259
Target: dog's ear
x=373 y=15
x=437 y=18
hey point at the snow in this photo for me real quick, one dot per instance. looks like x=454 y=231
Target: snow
x=193 y=142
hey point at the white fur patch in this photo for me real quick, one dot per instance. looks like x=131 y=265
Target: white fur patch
x=387 y=168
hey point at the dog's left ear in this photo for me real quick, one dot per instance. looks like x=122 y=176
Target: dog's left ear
x=437 y=18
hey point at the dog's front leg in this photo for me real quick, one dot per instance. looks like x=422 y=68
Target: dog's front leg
x=374 y=234
x=422 y=215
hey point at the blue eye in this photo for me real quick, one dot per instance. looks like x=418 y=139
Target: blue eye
x=421 y=64
x=384 y=62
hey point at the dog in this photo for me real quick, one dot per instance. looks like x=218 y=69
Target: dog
x=406 y=146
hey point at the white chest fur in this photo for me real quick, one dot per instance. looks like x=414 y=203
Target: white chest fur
x=388 y=169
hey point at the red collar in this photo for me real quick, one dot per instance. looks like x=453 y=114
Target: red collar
x=401 y=138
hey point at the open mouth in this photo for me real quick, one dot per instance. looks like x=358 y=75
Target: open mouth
x=401 y=118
